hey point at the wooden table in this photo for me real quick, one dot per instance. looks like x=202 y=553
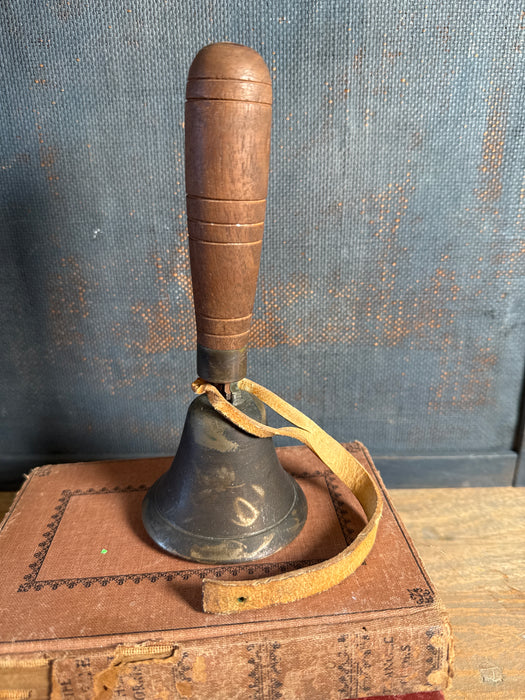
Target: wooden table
x=472 y=542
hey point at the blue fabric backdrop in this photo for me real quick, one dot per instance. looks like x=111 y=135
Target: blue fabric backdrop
x=390 y=298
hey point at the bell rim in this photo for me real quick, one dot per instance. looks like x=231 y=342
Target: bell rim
x=227 y=550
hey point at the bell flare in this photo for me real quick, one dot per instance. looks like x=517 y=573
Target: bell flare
x=226 y=498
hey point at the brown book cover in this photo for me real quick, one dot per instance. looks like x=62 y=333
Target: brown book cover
x=91 y=608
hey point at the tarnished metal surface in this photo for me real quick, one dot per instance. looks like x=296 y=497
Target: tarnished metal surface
x=221 y=366
x=226 y=497
x=390 y=299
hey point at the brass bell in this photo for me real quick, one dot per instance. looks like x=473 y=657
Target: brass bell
x=225 y=498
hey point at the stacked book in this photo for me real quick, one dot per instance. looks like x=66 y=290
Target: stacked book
x=91 y=608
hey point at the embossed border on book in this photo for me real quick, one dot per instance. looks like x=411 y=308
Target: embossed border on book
x=32 y=582
x=422 y=596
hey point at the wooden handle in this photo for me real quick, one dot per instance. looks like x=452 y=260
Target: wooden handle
x=228 y=122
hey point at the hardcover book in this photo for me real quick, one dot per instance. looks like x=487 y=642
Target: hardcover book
x=92 y=608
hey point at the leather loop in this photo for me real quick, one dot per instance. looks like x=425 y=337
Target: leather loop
x=236 y=596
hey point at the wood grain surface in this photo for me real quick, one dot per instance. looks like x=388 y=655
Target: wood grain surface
x=228 y=123
x=472 y=542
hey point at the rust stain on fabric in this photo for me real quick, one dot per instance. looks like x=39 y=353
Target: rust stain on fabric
x=48 y=160
x=493 y=147
x=169 y=322
x=373 y=309
x=443 y=32
x=339 y=90
x=69 y=9
x=358 y=59
x=468 y=389
x=67 y=295
x=269 y=327
x=162 y=328
x=378 y=311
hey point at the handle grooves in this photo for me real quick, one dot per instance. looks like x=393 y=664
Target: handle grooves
x=228 y=122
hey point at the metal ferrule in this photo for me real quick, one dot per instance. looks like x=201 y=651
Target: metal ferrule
x=221 y=366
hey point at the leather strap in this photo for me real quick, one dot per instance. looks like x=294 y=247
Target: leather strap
x=237 y=596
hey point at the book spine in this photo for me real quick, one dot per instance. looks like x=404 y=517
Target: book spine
x=320 y=664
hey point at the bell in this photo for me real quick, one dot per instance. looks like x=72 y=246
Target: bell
x=226 y=497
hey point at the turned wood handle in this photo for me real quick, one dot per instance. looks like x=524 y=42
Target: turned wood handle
x=228 y=122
